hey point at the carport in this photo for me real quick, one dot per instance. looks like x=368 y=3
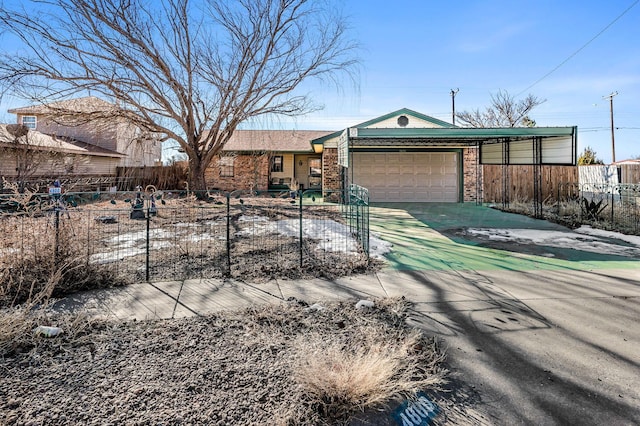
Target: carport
x=410 y=157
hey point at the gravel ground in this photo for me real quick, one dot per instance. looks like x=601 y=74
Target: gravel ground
x=232 y=368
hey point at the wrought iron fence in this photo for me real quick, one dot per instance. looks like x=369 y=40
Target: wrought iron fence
x=156 y=236
x=608 y=206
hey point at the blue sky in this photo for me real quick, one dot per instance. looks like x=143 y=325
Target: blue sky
x=415 y=52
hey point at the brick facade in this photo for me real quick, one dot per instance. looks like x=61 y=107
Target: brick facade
x=330 y=170
x=250 y=172
x=472 y=175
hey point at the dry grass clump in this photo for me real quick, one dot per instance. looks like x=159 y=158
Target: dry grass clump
x=342 y=379
x=18 y=329
x=349 y=362
x=39 y=261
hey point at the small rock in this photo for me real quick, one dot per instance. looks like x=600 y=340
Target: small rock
x=314 y=308
x=365 y=304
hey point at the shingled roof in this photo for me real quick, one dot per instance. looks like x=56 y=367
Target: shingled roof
x=88 y=104
x=42 y=141
x=274 y=140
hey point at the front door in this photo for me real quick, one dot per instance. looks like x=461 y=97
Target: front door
x=308 y=171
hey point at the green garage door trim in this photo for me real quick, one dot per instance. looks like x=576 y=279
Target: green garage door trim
x=409 y=176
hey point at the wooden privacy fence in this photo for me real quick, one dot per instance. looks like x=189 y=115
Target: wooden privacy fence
x=518 y=182
x=630 y=173
x=162 y=177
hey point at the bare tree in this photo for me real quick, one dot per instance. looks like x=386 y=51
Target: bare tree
x=28 y=156
x=504 y=111
x=187 y=70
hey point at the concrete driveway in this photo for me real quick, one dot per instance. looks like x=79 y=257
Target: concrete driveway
x=549 y=336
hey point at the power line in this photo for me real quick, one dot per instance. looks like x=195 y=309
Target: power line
x=581 y=48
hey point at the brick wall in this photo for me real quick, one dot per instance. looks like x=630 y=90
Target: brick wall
x=470 y=174
x=330 y=170
x=250 y=172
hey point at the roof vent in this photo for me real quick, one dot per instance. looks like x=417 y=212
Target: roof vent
x=403 y=121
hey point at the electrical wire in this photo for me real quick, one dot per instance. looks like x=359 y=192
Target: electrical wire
x=581 y=48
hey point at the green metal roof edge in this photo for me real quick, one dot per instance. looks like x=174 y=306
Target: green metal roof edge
x=468 y=132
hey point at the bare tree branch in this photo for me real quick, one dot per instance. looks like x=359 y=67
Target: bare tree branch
x=504 y=111
x=187 y=70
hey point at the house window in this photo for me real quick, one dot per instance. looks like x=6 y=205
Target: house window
x=29 y=121
x=277 y=164
x=68 y=164
x=315 y=167
x=226 y=166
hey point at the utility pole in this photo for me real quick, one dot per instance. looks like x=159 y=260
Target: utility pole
x=454 y=92
x=613 y=139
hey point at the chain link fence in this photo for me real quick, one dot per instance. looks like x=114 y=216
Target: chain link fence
x=164 y=235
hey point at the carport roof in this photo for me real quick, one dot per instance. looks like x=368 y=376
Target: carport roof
x=360 y=136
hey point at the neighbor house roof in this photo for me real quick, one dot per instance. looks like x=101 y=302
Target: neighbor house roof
x=274 y=140
x=40 y=141
x=629 y=161
x=88 y=104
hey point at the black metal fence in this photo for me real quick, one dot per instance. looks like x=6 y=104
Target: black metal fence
x=608 y=206
x=157 y=236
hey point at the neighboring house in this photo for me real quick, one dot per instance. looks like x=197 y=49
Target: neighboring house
x=403 y=156
x=30 y=154
x=98 y=129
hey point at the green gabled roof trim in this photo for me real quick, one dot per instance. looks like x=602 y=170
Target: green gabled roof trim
x=403 y=111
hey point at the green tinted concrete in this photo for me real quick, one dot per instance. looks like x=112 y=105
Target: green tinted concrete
x=415 y=230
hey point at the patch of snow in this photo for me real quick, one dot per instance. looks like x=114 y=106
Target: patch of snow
x=113 y=256
x=631 y=239
x=378 y=247
x=253 y=219
x=589 y=240
x=332 y=236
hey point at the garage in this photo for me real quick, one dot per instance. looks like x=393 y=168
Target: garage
x=408 y=176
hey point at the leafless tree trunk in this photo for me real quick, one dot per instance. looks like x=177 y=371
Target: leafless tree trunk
x=504 y=111
x=188 y=70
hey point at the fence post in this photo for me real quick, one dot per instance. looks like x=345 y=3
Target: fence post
x=612 y=202
x=146 y=274
x=228 y=235
x=56 y=250
x=300 y=196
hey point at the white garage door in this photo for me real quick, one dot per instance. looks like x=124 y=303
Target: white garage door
x=407 y=176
